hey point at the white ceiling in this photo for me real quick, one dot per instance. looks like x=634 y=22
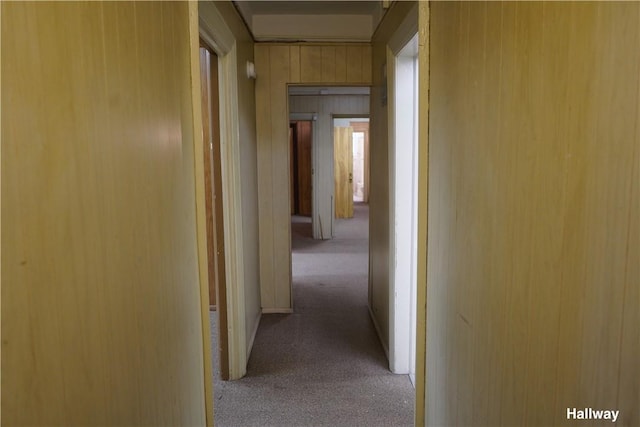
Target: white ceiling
x=311 y=20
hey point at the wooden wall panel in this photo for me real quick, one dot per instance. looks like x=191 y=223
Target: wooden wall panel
x=533 y=277
x=341 y=63
x=328 y=64
x=279 y=60
x=275 y=71
x=294 y=64
x=367 y=70
x=101 y=305
x=310 y=63
x=354 y=63
x=265 y=186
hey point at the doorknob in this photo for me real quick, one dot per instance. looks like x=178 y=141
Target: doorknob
x=350 y=177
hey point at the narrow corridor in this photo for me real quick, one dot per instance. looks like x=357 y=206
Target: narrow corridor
x=323 y=364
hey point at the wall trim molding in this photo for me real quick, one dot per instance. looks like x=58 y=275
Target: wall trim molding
x=256 y=325
x=277 y=310
x=378 y=331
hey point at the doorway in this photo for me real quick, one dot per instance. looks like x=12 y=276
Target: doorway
x=404 y=198
x=320 y=105
x=360 y=160
x=209 y=91
x=300 y=139
x=351 y=164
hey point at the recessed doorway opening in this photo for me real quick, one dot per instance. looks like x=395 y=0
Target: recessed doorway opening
x=351 y=135
x=404 y=199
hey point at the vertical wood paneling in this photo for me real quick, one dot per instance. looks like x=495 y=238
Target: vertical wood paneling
x=279 y=60
x=101 y=314
x=311 y=64
x=294 y=64
x=366 y=64
x=276 y=67
x=533 y=276
x=379 y=197
x=341 y=63
x=328 y=64
x=265 y=186
x=354 y=64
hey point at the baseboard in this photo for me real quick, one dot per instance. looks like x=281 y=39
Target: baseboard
x=277 y=310
x=253 y=334
x=375 y=324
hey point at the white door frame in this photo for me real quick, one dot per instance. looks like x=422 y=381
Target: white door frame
x=215 y=32
x=403 y=196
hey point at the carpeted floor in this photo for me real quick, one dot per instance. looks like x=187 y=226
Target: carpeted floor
x=323 y=365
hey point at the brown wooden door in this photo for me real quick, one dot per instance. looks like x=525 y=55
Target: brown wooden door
x=303 y=143
x=292 y=168
x=343 y=171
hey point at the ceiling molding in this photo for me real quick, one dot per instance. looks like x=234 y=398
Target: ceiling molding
x=311 y=20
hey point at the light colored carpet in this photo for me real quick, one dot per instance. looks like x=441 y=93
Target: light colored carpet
x=323 y=365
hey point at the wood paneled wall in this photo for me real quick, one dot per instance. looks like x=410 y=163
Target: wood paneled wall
x=101 y=305
x=534 y=212
x=278 y=65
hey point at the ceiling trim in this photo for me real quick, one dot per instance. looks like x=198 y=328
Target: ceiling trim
x=311 y=20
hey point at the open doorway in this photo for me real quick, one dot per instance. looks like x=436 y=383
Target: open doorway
x=300 y=140
x=351 y=164
x=319 y=106
x=213 y=206
x=404 y=199
x=360 y=160
x=300 y=176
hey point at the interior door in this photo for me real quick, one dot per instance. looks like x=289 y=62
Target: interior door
x=292 y=169
x=303 y=134
x=343 y=171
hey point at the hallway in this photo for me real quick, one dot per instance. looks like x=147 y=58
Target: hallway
x=323 y=364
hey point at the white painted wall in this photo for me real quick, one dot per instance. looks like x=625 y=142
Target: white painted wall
x=323 y=182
